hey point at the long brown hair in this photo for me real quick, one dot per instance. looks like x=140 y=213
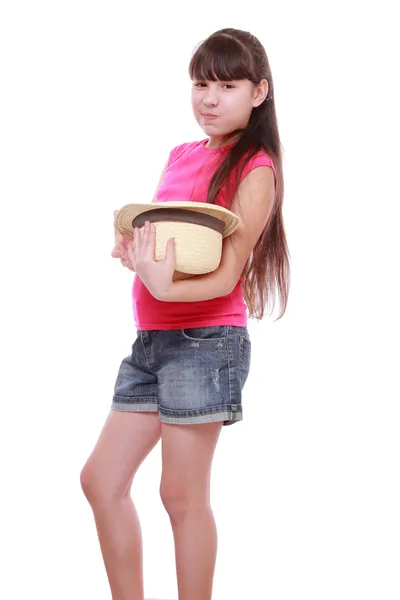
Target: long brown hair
x=227 y=55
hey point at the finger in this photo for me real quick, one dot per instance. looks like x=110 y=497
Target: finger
x=127 y=255
x=116 y=251
x=145 y=240
x=127 y=263
x=118 y=248
x=119 y=239
x=130 y=251
x=125 y=260
x=137 y=241
x=132 y=247
x=170 y=254
x=118 y=242
x=150 y=241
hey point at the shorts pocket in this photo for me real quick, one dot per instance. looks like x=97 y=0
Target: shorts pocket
x=208 y=339
x=205 y=334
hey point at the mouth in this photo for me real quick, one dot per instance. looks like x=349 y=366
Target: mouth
x=209 y=115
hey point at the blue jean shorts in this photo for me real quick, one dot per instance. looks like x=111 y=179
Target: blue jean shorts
x=187 y=376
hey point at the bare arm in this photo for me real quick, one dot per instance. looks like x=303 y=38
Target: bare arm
x=253 y=204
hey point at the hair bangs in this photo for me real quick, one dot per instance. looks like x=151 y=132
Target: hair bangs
x=220 y=59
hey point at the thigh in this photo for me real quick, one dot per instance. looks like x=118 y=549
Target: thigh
x=124 y=442
x=136 y=387
x=201 y=374
x=187 y=454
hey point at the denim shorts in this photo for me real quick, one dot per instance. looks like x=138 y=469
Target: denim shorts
x=188 y=376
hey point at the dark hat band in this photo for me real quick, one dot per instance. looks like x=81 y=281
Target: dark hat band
x=179 y=215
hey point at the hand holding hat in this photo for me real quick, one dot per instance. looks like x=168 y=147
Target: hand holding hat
x=198 y=229
x=157 y=276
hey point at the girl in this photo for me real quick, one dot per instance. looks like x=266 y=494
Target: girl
x=191 y=358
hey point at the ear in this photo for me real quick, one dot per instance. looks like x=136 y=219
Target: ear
x=260 y=93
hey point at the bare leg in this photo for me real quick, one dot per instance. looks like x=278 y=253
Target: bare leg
x=196 y=542
x=188 y=451
x=120 y=538
x=106 y=479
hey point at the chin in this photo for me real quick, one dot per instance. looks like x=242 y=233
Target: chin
x=211 y=129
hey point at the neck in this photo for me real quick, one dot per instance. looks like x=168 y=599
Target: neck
x=219 y=141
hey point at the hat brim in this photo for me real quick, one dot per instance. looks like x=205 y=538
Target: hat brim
x=126 y=214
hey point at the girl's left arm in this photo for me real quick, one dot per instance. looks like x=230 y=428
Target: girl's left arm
x=253 y=204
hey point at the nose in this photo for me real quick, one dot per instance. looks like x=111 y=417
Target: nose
x=210 y=98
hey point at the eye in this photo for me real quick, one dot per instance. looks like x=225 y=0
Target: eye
x=228 y=86
x=199 y=84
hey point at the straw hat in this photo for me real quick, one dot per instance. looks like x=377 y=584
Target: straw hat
x=198 y=229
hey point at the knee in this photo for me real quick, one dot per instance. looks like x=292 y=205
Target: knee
x=93 y=486
x=172 y=498
x=180 y=501
x=88 y=483
x=103 y=488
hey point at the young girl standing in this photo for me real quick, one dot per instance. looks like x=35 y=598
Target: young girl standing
x=183 y=381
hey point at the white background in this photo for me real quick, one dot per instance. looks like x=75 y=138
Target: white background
x=306 y=489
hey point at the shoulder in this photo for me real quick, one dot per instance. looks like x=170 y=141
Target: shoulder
x=260 y=159
x=257 y=187
x=185 y=149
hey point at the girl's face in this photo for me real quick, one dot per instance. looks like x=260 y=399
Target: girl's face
x=221 y=107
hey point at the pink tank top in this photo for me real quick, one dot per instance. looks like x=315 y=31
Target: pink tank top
x=189 y=171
